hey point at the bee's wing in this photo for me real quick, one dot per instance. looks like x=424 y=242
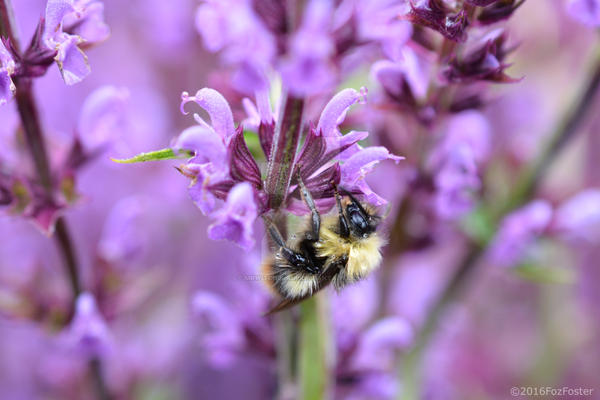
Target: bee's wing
x=285 y=304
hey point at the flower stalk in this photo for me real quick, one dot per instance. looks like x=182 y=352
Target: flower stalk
x=28 y=113
x=314 y=359
x=410 y=371
x=283 y=150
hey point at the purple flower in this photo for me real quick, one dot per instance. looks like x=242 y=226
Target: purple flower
x=366 y=369
x=518 y=232
x=357 y=166
x=226 y=181
x=378 y=21
x=456 y=183
x=375 y=350
x=362 y=299
x=481 y=3
x=585 y=11
x=88 y=331
x=69 y=26
x=327 y=155
x=436 y=15
x=123 y=236
x=455 y=160
x=209 y=167
x=103 y=118
x=221 y=332
x=579 y=217
x=498 y=11
x=7 y=69
x=217 y=108
x=235 y=220
x=481 y=59
x=405 y=80
x=308 y=67
x=257 y=38
x=232 y=26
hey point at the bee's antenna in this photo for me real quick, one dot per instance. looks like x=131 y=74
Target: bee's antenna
x=354 y=200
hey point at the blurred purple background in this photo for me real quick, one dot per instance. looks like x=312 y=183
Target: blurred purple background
x=182 y=318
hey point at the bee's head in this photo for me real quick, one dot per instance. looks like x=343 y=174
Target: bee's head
x=362 y=220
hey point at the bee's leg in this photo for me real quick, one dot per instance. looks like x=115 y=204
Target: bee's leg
x=295 y=259
x=274 y=232
x=315 y=216
x=344 y=229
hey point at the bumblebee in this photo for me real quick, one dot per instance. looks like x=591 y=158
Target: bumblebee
x=340 y=249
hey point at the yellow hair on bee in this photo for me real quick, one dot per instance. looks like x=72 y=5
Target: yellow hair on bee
x=267 y=273
x=364 y=255
x=288 y=281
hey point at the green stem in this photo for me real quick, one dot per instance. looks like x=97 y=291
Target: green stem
x=283 y=151
x=315 y=357
x=286 y=360
x=410 y=371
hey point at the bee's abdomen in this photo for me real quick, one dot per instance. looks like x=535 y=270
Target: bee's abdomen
x=288 y=280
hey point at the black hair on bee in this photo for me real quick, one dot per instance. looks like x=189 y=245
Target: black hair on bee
x=341 y=249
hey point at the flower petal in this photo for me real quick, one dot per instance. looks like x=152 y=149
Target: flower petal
x=7 y=68
x=359 y=165
x=103 y=117
x=335 y=111
x=518 y=231
x=88 y=23
x=205 y=143
x=7 y=87
x=585 y=11
x=56 y=10
x=221 y=332
x=72 y=62
x=202 y=196
x=217 y=108
x=241 y=163
x=123 y=237
x=236 y=219
x=311 y=153
x=579 y=217
x=376 y=347
x=88 y=331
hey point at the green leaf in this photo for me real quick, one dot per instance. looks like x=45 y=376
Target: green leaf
x=253 y=143
x=479 y=225
x=164 y=154
x=540 y=274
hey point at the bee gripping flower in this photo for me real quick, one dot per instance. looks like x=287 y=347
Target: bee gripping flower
x=226 y=181
x=325 y=144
